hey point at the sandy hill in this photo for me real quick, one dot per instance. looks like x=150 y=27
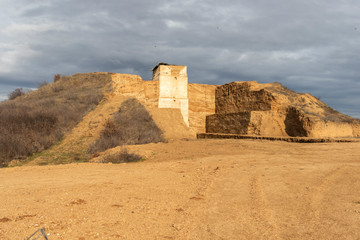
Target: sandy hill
x=120 y=87
x=112 y=92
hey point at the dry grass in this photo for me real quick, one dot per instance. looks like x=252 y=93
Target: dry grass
x=130 y=125
x=16 y=93
x=34 y=121
x=312 y=107
x=122 y=157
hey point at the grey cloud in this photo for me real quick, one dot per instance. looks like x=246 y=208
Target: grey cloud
x=308 y=45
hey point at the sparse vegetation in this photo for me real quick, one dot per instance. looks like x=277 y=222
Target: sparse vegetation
x=122 y=157
x=310 y=107
x=131 y=124
x=57 y=77
x=16 y=93
x=40 y=118
x=42 y=84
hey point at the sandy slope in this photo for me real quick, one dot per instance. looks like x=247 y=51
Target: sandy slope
x=198 y=189
x=73 y=147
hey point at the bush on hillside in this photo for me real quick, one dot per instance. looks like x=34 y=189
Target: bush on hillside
x=16 y=93
x=130 y=125
x=122 y=157
x=57 y=77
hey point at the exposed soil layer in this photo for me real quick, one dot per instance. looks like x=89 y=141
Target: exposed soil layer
x=197 y=189
x=286 y=139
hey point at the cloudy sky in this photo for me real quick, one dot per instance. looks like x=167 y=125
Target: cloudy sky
x=308 y=45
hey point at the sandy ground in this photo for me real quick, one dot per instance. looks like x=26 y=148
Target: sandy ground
x=198 y=189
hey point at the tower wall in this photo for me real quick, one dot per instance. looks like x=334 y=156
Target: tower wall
x=173 y=82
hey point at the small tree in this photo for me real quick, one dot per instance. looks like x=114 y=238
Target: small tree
x=57 y=77
x=16 y=93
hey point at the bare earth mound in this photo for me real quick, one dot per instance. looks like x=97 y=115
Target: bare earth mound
x=198 y=189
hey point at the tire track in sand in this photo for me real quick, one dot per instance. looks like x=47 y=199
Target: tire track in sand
x=261 y=213
x=189 y=222
x=317 y=200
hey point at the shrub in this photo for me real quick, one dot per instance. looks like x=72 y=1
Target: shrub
x=57 y=88
x=130 y=125
x=16 y=93
x=57 y=77
x=122 y=157
x=25 y=129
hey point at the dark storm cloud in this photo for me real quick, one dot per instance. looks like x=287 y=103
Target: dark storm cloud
x=310 y=46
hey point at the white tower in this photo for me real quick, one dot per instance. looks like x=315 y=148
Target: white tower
x=173 y=82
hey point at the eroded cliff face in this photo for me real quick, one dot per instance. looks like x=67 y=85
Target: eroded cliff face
x=273 y=110
x=201 y=103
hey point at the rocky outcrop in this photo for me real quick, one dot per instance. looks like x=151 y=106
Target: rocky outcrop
x=273 y=110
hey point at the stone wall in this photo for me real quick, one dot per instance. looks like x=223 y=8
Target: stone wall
x=201 y=99
x=169 y=120
x=263 y=123
x=243 y=96
x=201 y=104
x=147 y=92
x=238 y=107
x=273 y=110
x=232 y=123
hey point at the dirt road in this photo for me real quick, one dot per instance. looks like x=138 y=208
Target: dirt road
x=200 y=189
